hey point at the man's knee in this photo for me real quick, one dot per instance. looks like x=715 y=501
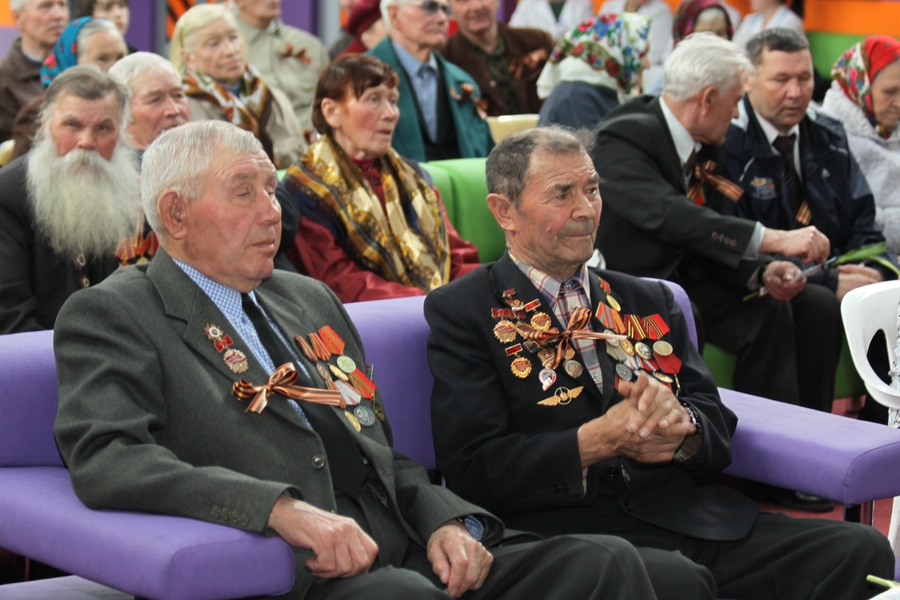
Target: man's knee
x=387 y=583
x=676 y=577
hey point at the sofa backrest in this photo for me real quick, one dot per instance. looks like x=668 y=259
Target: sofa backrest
x=28 y=400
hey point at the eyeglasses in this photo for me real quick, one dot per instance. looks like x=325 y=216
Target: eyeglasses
x=431 y=7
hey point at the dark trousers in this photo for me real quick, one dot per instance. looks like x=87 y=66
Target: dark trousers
x=561 y=567
x=782 y=558
x=786 y=351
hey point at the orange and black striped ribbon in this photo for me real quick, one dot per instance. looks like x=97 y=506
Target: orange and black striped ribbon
x=706 y=173
x=574 y=331
x=281 y=383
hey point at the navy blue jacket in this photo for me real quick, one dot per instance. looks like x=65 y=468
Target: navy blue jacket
x=839 y=197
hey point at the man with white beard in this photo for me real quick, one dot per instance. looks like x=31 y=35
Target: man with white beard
x=68 y=207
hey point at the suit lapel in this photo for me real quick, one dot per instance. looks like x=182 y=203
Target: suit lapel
x=505 y=276
x=670 y=163
x=606 y=364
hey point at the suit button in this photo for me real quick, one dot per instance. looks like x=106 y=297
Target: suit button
x=85 y=282
x=318 y=461
x=565 y=487
x=556 y=487
x=235 y=518
x=225 y=514
x=244 y=520
x=611 y=471
x=215 y=512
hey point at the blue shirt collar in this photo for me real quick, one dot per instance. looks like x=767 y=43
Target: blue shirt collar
x=410 y=63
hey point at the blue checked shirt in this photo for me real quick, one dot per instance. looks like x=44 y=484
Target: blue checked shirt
x=228 y=301
x=423 y=76
x=564 y=296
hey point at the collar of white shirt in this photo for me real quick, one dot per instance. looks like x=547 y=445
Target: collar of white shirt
x=684 y=143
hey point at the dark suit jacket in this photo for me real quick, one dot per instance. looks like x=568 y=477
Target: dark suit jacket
x=518 y=42
x=20 y=81
x=498 y=447
x=34 y=280
x=147 y=421
x=648 y=225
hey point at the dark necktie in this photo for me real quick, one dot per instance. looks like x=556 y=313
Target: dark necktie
x=689 y=165
x=345 y=461
x=785 y=146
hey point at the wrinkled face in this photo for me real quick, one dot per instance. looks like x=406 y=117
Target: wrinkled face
x=782 y=87
x=116 y=11
x=104 y=49
x=886 y=95
x=259 y=11
x=42 y=20
x=232 y=231
x=157 y=103
x=86 y=124
x=712 y=20
x=758 y=5
x=719 y=110
x=422 y=24
x=364 y=126
x=555 y=224
x=216 y=50
x=474 y=16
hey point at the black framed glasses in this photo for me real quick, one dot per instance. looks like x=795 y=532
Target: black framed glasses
x=431 y=7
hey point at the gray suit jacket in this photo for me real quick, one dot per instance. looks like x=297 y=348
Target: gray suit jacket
x=147 y=421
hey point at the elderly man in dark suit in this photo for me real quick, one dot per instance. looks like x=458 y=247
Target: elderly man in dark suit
x=147 y=421
x=504 y=61
x=660 y=160
x=547 y=417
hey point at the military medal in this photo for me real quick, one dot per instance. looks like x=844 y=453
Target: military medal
x=365 y=416
x=353 y=420
x=346 y=364
x=541 y=321
x=627 y=347
x=218 y=337
x=624 y=372
x=323 y=371
x=611 y=342
x=662 y=348
x=236 y=361
x=307 y=350
x=351 y=396
x=547 y=377
x=643 y=350
x=378 y=409
x=505 y=331
x=570 y=353
x=662 y=377
x=547 y=356
x=612 y=302
x=573 y=369
x=340 y=375
x=520 y=366
x=562 y=396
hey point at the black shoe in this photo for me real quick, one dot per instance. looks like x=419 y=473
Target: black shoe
x=802 y=501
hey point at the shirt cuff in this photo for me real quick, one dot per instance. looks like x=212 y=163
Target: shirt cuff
x=751 y=252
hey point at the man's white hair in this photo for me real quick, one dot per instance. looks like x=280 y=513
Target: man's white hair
x=702 y=60
x=136 y=65
x=17 y=5
x=179 y=157
x=385 y=17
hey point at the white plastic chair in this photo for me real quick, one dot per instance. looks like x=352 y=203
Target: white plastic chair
x=865 y=311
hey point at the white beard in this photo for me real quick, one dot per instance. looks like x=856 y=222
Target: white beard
x=82 y=202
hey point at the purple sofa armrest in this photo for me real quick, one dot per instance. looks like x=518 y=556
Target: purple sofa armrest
x=147 y=555
x=845 y=460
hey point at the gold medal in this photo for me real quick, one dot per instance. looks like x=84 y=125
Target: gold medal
x=570 y=353
x=562 y=396
x=573 y=369
x=505 y=331
x=662 y=377
x=378 y=409
x=612 y=302
x=322 y=368
x=353 y=420
x=212 y=332
x=236 y=361
x=662 y=347
x=338 y=373
x=643 y=350
x=627 y=346
x=521 y=367
x=541 y=321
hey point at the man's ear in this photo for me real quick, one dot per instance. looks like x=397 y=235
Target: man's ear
x=171 y=207
x=707 y=96
x=187 y=58
x=502 y=207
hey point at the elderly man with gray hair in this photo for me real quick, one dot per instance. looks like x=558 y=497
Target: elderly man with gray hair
x=157 y=101
x=148 y=421
x=661 y=159
x=586 y=431
x=69 y=210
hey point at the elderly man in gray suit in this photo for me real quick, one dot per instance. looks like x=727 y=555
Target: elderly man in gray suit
x=147 y=420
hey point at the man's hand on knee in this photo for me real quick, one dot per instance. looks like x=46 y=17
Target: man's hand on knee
x=460 y=562
x=341 y=547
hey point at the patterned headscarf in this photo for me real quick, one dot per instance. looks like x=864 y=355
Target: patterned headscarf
x=614 y=44
x=65 y=51
x=686 y=17
x=855 y=70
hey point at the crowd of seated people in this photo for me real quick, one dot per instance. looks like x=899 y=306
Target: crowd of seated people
x=727 y=179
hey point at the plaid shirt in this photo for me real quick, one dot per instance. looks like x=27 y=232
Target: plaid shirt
x=564 y=296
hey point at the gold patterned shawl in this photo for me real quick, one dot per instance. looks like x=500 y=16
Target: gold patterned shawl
x=406 y=242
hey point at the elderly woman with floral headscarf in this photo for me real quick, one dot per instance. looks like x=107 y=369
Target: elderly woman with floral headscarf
x=865 y=96
x=594 y=68
x=208 y=51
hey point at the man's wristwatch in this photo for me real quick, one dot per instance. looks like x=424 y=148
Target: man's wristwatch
x=473 y=525
x=682 y=455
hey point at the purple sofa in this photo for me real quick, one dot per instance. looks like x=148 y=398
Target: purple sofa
x=168 y=557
